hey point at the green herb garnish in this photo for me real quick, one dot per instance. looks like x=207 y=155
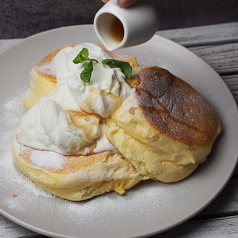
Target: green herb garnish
x=124 y=66
x=86 y=74
x=83 y=56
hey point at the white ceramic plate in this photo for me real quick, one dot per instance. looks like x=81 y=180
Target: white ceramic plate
x=150 y=207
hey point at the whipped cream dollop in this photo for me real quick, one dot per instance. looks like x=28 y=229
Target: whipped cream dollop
x=107 y=88
x=49 y=124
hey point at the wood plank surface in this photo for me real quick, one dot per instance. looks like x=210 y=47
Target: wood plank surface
x=223 y=57
x=203 y=35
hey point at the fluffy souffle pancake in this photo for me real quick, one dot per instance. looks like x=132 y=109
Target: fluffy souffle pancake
x=78 y=177
x=166 y=129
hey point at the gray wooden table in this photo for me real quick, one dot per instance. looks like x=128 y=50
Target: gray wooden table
x=218 y=46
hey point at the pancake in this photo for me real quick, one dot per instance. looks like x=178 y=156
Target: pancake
x=43 y=80
x=166 y=129
x=78 y=177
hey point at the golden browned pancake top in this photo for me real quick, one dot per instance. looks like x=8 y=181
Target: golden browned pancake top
x=43 y=67
x=175 y=109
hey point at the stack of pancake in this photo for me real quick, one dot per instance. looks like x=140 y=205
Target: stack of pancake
x=161 y=132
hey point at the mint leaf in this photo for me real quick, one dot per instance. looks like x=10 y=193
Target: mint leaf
x=82 y=56
x=87 y=72
x=124 y=66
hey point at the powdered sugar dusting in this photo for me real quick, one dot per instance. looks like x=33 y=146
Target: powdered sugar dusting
x=12 y=179
x=47 y=159
x=12 y=109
